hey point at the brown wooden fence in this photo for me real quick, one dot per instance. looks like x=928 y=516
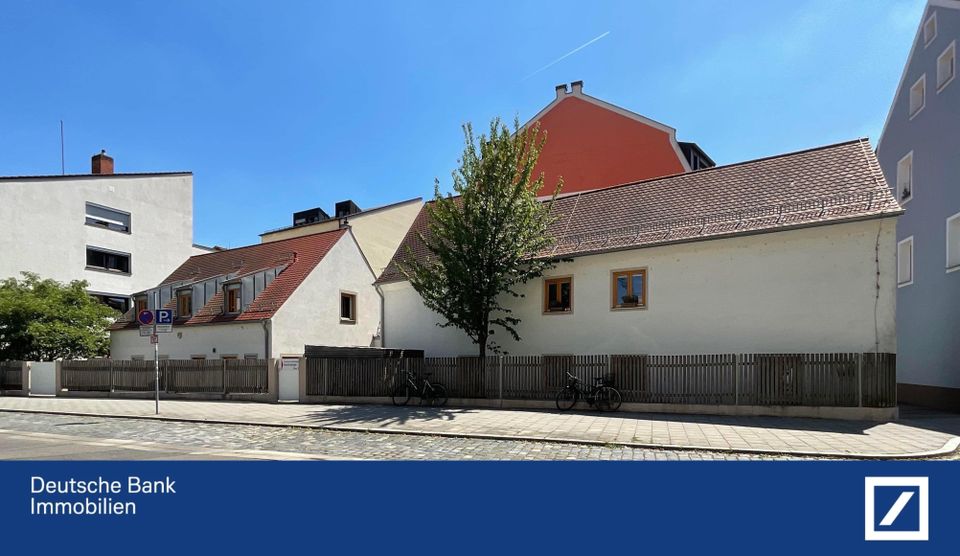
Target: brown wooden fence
x=11 y=375
x=820 y=379
x=216 y=376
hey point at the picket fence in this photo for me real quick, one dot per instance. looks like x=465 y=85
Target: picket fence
x=818 y=379
x=215 y=376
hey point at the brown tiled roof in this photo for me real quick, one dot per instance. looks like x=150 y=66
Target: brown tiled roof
x=300 y=255
x=818 y=186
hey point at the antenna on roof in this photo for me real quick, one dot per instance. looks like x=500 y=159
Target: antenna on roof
x=62 y=166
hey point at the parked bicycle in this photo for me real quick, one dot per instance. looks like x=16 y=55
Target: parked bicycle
x=430 y=393
x=601 y=395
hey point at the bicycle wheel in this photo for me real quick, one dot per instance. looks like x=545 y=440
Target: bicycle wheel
x=566 y=399
x=608 y=399
x=438 y=397
x=401 y=394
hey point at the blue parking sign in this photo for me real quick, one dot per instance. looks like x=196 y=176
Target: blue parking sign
x=164 y=316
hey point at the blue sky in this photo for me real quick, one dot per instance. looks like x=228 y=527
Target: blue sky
x=283 y=106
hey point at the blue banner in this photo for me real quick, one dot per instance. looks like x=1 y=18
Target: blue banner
x=480 y=507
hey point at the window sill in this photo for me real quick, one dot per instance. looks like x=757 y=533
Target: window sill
x=107 y=270
x=566 y=312
x=628 y=308
x=943 y=85
x=905 y=284
x=347 y=321
x=953 y=268
x=905 y=201
x=918 y=110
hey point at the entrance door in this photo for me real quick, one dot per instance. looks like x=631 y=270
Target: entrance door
x=289 y=379
x=43 y=378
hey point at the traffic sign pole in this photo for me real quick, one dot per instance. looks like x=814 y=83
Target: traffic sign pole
x=156 y=355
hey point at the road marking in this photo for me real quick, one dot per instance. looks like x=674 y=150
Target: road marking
x=158 y=447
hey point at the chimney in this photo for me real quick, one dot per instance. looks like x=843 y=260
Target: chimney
x=577 y=87
x=561 y=90
x=101 y=163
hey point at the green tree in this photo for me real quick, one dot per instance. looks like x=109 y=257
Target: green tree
x=41 y=320
x=481 y=243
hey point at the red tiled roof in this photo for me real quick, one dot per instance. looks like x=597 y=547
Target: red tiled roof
x=818 y=186
x=300 y=255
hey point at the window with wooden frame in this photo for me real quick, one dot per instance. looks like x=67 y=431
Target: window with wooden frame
x=184 y=303
x=629 y=289
x=558 y=295
x=139 y=304
x=348 y=308
x=198 y=357
x=231 y=298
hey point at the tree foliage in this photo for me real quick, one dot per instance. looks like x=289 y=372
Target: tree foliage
x=480 y=242
x=42 y=320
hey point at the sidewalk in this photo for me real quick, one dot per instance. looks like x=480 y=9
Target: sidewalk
x=917 y=434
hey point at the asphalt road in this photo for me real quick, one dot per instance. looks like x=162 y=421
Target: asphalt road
x=65 y=437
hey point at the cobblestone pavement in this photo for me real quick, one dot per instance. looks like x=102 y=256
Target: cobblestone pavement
x=913 y=435
x=179 y=440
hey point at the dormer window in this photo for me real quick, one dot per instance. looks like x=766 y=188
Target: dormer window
x=231 y=298
x=139 y=303
x=184 y=303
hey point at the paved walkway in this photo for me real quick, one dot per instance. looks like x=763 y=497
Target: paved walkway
x=917 y=434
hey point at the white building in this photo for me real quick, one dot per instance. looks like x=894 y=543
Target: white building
x=122 y=233
x=788 y=254
x=261 y=301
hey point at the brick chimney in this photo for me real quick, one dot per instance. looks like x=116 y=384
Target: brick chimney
x=576 y=87
x=561 y=90
x=101 y=163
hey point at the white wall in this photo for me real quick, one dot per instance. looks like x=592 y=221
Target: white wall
x=809 y=290
x=44 y=227
x=311 y=316
x=213 y=341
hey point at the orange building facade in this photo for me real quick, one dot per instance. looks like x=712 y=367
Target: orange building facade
x=593 y=144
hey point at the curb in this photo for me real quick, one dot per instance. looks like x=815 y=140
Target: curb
x=950 y=446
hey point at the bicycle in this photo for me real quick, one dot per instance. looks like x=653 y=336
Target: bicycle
x=430 y=393
x=602 y=395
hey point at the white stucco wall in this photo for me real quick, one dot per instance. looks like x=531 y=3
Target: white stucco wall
x=809 y=290
x=44 y=228
x=311 y=316
x=212 y=341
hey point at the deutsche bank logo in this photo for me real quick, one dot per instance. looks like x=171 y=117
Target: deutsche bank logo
x=896 y=508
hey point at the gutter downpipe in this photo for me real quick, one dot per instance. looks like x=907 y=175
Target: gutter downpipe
x=383 y=320
x=267 y=326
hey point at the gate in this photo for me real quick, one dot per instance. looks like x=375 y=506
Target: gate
x=43 y=378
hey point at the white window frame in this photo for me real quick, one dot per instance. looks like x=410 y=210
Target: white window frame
x=900 y=283
x=923 y=96
x=952 y=50
x=956 y=264
x=900 y=198
x=927 y=40
x=114 y=222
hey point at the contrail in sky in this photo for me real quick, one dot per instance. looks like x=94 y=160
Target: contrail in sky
x=572 y=52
